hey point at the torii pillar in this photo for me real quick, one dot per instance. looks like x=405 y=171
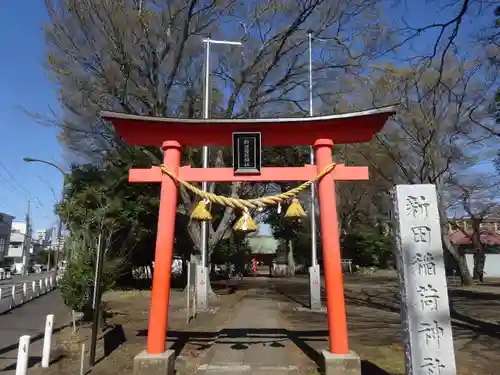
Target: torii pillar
x=320 y=132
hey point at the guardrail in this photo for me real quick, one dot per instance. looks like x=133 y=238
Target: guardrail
x=16 y=294
x=4 y=274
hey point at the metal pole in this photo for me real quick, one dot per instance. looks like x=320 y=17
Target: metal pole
x=310 y=75
x=96 y=302
x=314 y=255
x=204 y=156
x=205 y=150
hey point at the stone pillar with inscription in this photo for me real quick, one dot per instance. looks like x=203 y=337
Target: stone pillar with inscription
x=422 y=279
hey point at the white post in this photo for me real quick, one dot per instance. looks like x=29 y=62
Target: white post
x=188 y=292
x=22 y=355
x=33 y=289
x=73 y=318
x=46 y=282
x=82 y=360
x=47 y=340
x=25 y=291
x=14 y=294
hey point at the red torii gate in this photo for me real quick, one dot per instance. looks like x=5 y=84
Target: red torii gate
x=320 y=132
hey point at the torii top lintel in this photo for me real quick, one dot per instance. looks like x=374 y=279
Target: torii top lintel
x=355 y=127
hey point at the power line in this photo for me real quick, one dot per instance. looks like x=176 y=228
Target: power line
x=8 y=205
x=39 y=204
x=13 y=179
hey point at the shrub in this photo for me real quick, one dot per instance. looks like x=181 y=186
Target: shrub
x=77 y=283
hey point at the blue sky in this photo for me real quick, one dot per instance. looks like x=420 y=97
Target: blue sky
x=24 y=83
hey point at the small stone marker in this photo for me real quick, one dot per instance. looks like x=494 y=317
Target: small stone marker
x=201 y=288
x=314 y=288
x=422 y=279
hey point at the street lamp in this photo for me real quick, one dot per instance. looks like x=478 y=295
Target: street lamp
x=31 y=160
x=59 y=229
x=204 y=185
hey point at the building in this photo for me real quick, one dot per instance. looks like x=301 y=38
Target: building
x=17 y=241
x=263 y=247
x=44 y=237
x=490 y=224
x=460 y=235
x=5 y=230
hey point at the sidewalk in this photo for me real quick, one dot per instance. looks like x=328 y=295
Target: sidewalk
x=254 y=342
x=28 y=319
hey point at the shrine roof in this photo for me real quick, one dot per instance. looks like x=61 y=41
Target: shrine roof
x=350 y=127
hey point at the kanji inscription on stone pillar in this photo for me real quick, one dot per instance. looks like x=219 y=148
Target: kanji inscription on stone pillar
x=422 y=278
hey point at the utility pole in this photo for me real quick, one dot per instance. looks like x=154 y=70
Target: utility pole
x=49 y=252
x=27 y=241
x=59 y=240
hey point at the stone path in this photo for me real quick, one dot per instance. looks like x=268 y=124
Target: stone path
x=254 y=342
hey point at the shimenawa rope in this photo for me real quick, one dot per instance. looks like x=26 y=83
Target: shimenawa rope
x=248 y=203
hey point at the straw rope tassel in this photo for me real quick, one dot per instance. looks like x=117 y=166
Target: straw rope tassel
x=202 y=211
x=295 y=210
x=245 y=223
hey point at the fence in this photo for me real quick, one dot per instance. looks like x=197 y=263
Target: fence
x=16 y=294
x=146 y=272
x=4 y=274
x=142 y=273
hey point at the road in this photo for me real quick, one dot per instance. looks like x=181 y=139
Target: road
x=29 y=319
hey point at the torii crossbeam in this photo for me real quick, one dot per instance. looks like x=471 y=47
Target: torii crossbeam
x=320 y=132
x=305 y=173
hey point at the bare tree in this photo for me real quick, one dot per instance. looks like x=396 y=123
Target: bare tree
x=146 y=58
x=425 y=141
x=473 y=197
